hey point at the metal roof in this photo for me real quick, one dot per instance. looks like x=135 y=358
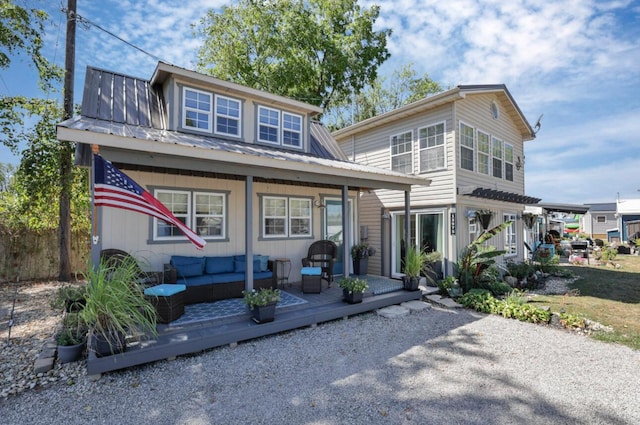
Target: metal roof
x=500 y=195
x=602 y=207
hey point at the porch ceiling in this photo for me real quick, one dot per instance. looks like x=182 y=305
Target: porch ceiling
x=129 y=144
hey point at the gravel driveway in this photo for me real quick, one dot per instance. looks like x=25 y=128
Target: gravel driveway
x=433 y=367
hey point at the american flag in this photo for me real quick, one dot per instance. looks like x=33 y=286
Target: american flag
x=113 y=188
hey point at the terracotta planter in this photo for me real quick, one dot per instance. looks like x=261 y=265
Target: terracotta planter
x=352 y=297
x=263 y=313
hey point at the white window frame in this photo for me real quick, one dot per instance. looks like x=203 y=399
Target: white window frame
x=307 y=217
x=466 y=147
x=284 y=217
x=220 y=216
x=190 y=217
x=269 y=125
x=287 y=129
x=508 y=163
x=439 y=145
x=185 y=109
x=217 y=115
x=484 y=154
x=494 y=157
x=510 y=235
x=473 y=229
x=403 y=153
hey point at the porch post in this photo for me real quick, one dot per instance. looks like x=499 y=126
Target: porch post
x=346 y=253
x=407 y=220
x=248 y=232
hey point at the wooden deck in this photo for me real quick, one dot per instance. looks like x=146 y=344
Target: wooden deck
x=174 y=341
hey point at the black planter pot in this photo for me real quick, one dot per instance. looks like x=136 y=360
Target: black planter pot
x=263 y=313
x=70 y=353
x=485 y=220
x=360 y=266
x=106 y=345
x=411 y=283
x=352 y=297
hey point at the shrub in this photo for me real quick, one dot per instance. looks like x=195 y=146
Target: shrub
x=520 y=270
x=512 y=307
x=444 y=285
x=499 y=288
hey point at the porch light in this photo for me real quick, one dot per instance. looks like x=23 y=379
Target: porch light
x=319 y=204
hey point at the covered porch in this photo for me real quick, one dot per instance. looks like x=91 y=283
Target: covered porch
x=229 y=322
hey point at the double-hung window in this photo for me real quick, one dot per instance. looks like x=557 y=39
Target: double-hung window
x=508 y=162
x=484 y=153
x=196 y=111
x=496 y=153
x=402 y=152
x=432 y=153
x=284 y=217
x=204 y=212
x=228 y=116
x=467 y=142
x=279 y=128
x=510 y=236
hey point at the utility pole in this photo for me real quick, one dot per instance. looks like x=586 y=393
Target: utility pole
x=66 y=149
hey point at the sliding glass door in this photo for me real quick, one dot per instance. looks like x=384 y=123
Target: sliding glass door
x=426 y=233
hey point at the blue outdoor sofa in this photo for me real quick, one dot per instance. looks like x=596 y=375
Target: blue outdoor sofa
x=210 y=279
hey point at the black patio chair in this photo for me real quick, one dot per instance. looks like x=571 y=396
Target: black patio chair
x=322 y=254
x=113 y=257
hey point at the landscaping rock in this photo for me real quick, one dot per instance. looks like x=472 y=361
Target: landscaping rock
x=393 y=311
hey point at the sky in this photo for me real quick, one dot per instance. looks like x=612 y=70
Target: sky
x=575 y=62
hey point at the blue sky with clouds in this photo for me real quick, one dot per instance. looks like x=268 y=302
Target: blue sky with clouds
x=575 y=61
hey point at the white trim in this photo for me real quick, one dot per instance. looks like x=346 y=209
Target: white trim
x=443 y=146
x=216 y=115
x=510 y=216
x=300 y=132
x=487 y=154
x=392 y=155
x=309 y=217
x=223 y=216
x=501 y=177
x=187 y=215
x=263 y=217
x=505 y=162
x=209 y=113
x=473 y=147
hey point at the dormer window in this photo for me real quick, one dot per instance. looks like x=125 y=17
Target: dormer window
x=281 y=128
x=198 y=113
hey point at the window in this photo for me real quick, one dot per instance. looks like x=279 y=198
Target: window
x=196 y=110
x=228 y=116
x=432 y=154
x=467 y=146
x=291 y=130
x=601 y=219
x=270 y=127
x=510 y=240
x=208 y=212
x=508 y=162
x=286 y=217
x=496 y=152
x=401 y=153
x=473 y=229
x=484 y=152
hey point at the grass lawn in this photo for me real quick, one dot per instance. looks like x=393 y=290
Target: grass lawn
x=607 y=295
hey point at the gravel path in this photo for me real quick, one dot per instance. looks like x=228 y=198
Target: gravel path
x=433 y=367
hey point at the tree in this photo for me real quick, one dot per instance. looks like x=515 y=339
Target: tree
x=310 y=50
x=6 y=174
x=382 y=95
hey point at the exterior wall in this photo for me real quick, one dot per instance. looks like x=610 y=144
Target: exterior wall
x=132 y=231
x=599 y=230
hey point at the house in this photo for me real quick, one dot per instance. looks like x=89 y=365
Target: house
x=248 y=171
x=627 y=217
x=469 y=142
x=599 y=220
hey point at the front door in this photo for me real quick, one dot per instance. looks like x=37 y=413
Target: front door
x=332 y=230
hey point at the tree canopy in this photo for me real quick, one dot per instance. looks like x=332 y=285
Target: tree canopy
x=311 y=50
x=382 y=95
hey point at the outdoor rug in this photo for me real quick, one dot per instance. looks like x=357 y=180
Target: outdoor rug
x=381 y=285
x=226 y=308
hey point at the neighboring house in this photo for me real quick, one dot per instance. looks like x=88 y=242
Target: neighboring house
x=627 y=217
x=600 y=220
x=249 y=171
x=469 y=141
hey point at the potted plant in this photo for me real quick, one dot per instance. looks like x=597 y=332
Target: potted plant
x=484 y=217
x=69 y=298
x=71 y=338
x=433 y=267
x=262 y=304
x=115 y=306
x=413 y=264
x=352 y=289
x=360 y=254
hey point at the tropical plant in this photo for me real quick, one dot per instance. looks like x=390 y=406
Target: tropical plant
x=115 y=301
x=69 y=298
x=353 y=284
x=262 y=297
x=445 y=284
x=362 y=250
x=475 y=258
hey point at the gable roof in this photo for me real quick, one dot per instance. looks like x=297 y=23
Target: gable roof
x=442 y=98
x=128 y=115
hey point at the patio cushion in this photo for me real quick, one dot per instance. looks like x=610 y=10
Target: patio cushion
x=311 y=271
x=241 y=266
x=188 y=266
x=217 y=265
x=165 y=289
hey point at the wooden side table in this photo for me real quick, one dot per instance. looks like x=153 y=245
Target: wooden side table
x=282 y=265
